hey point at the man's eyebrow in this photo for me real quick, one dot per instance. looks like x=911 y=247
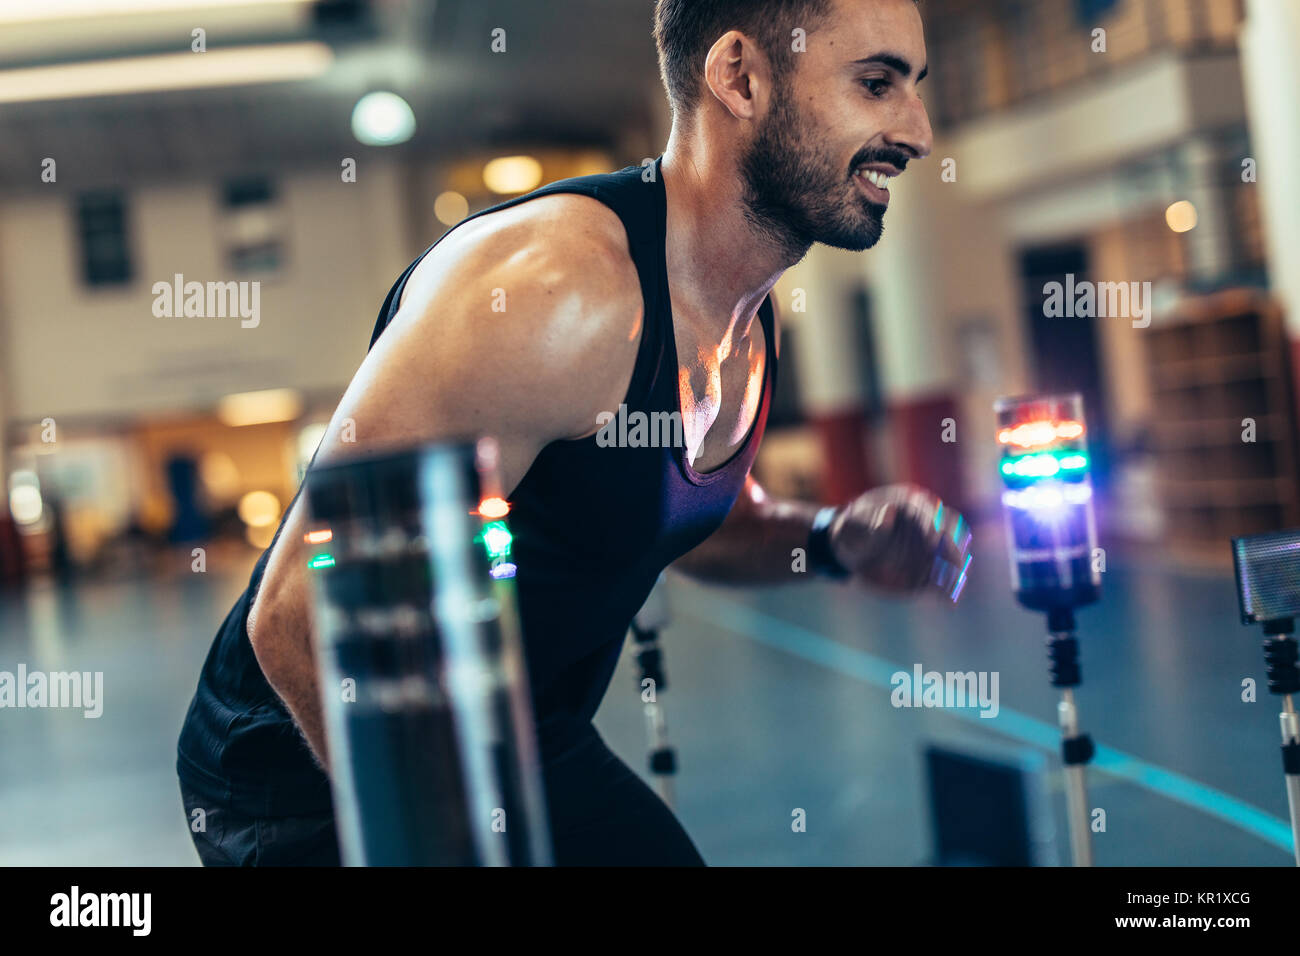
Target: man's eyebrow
x=899 y=64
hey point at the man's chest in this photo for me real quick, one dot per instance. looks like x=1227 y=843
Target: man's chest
x=720 y=390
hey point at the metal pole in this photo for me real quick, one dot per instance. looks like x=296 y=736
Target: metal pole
x=1291 y=736
x=657 y=730
x=1076 y=791
x=649 y=621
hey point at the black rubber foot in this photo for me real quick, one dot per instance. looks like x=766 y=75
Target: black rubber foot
x=663 y=762
x=1280 y=656
x=1077 y=750
x=1063 y=658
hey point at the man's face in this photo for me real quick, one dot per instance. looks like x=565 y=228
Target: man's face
x=846 y=114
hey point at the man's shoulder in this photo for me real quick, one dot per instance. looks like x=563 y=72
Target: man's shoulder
x=571 y=231
x=573 y=245
x=551 y=257
x=542 y=304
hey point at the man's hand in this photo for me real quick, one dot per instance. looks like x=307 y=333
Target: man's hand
x=902 y=538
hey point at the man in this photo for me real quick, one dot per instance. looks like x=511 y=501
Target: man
x=638 y=289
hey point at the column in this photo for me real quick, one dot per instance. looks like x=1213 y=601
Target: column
x=916 y=351
x=1270 y=58
x=831 y=365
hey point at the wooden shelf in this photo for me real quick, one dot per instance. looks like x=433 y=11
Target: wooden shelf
x=1210 y=370
x=1174 y=434
x=1223 y=492
x=1216 y=360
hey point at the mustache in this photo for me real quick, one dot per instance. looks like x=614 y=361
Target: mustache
x=895 y=157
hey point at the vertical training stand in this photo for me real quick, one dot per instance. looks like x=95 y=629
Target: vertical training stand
x=432 y=748
x=649 y=621
x=1268 y=587
x=1076 y=747
x=1052 y=533
x=1284 y=679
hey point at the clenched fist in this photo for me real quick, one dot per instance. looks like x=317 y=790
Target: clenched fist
x=902 y=538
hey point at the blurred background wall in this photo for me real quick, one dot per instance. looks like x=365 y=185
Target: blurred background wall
x=1137 y=162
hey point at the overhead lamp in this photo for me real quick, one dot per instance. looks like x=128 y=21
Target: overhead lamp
x=165 y=72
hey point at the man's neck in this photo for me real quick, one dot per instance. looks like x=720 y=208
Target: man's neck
x=719 y=265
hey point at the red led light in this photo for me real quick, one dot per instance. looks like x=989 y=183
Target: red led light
x=1069 y=430
x=494 y=508
x=1036 y=434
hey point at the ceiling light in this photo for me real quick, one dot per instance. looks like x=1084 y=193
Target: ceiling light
x=382 y=119
x=512 y=174
x=259 y=408
x=1181 y=216
x=240 y=66
x=27 y=11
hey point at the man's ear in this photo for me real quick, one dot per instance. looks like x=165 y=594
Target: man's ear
x=738 y=75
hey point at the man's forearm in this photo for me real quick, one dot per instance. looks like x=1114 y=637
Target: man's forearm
x=763 y=541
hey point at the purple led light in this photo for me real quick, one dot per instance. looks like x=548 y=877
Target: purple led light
x=1047 y=497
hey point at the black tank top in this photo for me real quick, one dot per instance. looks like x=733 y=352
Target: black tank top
x=593 y=527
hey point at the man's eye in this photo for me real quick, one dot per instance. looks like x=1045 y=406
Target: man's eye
x=877 y=87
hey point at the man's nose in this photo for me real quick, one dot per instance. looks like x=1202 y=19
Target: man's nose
x=912 y=132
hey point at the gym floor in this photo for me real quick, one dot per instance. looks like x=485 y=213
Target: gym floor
x=777 y=699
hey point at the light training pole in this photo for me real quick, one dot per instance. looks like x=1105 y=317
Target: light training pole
x=1052 y=533
x=1268 y=587
x=432 y=748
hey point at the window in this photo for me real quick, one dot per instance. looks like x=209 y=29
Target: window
x=101 y=225
x=252 y=226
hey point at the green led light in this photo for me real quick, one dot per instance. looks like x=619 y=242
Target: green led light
x=1044 y=464
x=321 y=561
x=497 y=539
x=1032 y=466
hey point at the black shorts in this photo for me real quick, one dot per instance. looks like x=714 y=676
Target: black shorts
x=602 y=814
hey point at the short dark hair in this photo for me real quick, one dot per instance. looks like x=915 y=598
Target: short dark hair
x=685 y=31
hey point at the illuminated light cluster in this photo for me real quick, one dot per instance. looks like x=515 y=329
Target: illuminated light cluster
x=318 y=537
x=1035 y=434
x=1044 y=465
x=504 y=570
x=1043 y=498
x=321 y=561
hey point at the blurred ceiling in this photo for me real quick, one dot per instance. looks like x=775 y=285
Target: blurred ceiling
x=575 y=72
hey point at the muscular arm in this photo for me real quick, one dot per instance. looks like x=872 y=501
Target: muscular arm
x=450 y=366
x=898 y=537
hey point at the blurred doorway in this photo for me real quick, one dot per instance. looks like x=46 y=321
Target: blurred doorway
x=1064 y=351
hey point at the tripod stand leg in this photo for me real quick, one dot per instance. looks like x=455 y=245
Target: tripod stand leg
x=1293 y=798
x=663 y=760
x=1076 y=795
x=652 y=617
x=1291 y=765
x=1076 y=791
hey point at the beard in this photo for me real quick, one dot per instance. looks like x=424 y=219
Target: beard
x=797 y=193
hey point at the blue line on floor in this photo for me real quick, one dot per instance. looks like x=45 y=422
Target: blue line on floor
x=870 y=669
